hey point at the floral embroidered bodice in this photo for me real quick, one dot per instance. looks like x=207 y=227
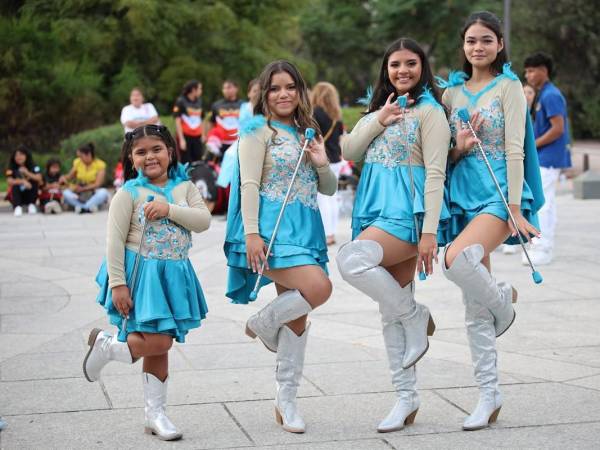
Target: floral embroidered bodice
x=285 y=152
x=164 y=239
x=391 y=148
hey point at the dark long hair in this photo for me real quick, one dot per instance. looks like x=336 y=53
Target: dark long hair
x=159 y=131
x=87 y=149
x=303 y=115
x=12 y=164
x=490 y=21
x=384 y=87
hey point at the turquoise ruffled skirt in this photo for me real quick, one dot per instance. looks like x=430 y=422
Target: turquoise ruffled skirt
x=384 y=200
x=168 y=298
x=472 y=192
x=300 y=241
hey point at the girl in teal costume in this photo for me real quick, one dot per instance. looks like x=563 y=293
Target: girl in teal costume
x=168 y=300
x=405 y=155
x=493 y=95
x=269 y=148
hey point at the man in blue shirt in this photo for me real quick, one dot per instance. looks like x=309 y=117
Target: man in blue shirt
x=552 y=140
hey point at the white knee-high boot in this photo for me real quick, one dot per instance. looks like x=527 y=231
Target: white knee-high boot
x=476 y=282
x=482 y=342
x=283 y=309
x=290 y=364
x=156 y=420
x=104 y=348
x=358 y=262
x=404 y=380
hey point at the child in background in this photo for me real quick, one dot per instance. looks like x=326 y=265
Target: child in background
x=51 y=195
x=23 y=178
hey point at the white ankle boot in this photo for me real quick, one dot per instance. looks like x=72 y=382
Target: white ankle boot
x=404 y=380
x=290 y=363
x=283 y=309
x=475 y=281
x=156 y=420
x=358 y=262
x=104 y=348
x=482 y=342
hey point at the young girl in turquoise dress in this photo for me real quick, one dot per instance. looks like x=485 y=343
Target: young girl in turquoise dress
x=269 y=148
x=493 y=95
x=404 y=153
x=168 y=300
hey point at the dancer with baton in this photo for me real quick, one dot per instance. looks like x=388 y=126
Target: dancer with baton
x=274 y=229
x=402 y=182
x=494 y=195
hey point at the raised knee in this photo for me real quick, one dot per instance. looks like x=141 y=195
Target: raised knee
x=319 y=292
x=357 y=256
x=163 y=344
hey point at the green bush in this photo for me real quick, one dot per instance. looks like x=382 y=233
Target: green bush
x=107 y=141
x=351 y=115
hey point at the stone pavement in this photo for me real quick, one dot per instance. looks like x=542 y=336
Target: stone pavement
x=222 y=383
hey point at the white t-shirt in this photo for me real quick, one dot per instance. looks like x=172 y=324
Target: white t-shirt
x=130 y=112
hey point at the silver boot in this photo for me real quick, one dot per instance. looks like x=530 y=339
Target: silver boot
x=156 y=420
x=104 y=348
x=404 y=380
x=482 y=341
x=284 y=308
x=476 y=282
x=358 y=262
x=290 y=363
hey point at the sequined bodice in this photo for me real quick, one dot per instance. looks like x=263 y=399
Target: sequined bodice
x=391 y=148
x=164 y=239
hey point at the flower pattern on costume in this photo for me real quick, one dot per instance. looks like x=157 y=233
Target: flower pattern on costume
x=491 y=131
x=285 y=152
x=390 y=148
x=164 y=239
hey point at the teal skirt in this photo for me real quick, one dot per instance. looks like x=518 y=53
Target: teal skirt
x=167 y=299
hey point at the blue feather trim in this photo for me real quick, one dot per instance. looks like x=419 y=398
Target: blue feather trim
x=177 y=175
x=252 y=125
x=427 y=98
x=366 y=100
x=455 y=78
x=507 y=71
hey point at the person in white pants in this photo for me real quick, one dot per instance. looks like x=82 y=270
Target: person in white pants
x=328 y=114
x=552 y=140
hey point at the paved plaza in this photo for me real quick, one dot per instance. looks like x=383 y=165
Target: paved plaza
x=222 y=383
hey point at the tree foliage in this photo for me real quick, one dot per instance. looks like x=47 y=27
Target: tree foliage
x=68 y=65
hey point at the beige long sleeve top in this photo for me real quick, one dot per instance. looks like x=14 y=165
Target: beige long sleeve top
x=426 y=129
x=502 y=133
x=124 y=227
x=267 y=163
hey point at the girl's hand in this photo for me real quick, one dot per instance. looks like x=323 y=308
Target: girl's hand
x=156 y=210
x=427 y=253
x=465 y=140
x=122 y=300
x=62 y=179
x=182 y=144
x=391 y=112
x=256 y=251
x=316 y=152
x=525 y=228
x=27 y=184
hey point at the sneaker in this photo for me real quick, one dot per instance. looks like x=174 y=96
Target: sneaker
x=538 y=257
x=52 y=207
x=78 y=209
x=31 y=209
x=18 y=211
x=509 y=249
x=93 y=209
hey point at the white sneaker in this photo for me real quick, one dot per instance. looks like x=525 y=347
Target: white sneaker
x=31 y=209
x=538 y=257
x=509 y=249
x=18 y=211
x=93 y=209
x=78 y=209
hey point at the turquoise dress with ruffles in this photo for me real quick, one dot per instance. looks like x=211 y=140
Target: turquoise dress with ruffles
x=168 y=298
x=384 y=196
x=471 y=189
x=300 y=239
